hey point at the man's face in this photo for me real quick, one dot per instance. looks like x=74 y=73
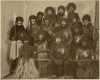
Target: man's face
x=74 y=20
x=39 y=17
x=19 y=23
x=33 y=21
x=61 y=11
x=47 y=22
x=58 y=40
x=25 y=42
x=49 y=12
x=71 y=9
x=86 y=22
x=84 y=43
x=40 y=37
x=76 y=30
x=63 y=23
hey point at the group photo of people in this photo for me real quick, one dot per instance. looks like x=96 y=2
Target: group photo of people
x=54 y=45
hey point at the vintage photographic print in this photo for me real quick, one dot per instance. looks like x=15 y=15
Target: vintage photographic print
x=50 y=39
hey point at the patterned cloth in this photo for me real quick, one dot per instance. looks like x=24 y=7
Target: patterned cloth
x=26 y=69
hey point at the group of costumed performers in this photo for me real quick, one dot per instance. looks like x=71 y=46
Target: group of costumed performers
x=54 y=45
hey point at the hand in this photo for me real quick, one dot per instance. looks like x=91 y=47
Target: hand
x=60 y=61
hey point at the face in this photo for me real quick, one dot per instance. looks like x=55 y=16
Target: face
x=71 y=9
x=25 y=42
x=58 y=40
x=83 y=43
x=86 y=22
x=76 y=30
x=61 y=11
x=39 y=17
x=49 y=12
x=63 y=23
x=33 y=21
x=19 y=23
x=74 y=20
x=40 y=37
x=47 y=22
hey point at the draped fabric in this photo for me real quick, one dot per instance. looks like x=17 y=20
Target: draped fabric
x=8 y=8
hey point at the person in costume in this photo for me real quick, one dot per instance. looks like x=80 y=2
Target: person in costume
x=71 y=7
x=26 y=68
x=86 y=68
x=40 y=18
x=90 y=31
x=48 y=29
x=16 y=43
x=50 y=14
x=42 y=49
x=59 y=54
x=33 y=29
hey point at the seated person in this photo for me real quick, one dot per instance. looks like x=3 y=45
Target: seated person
x=86 y=68
x=59 y=54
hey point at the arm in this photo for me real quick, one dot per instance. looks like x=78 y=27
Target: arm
x=77 y=53
x=51 y=54
x=67 y=52
x=70 y=35
x=12 y=32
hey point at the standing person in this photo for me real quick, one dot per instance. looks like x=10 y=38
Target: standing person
x=71 y=7
x=15 y=32
x=59 y=54
x=60 y=14
x=40 y=18
x=42 y=49
x=88 y=29
x=86 y=69
x=50 y=14
x=48 y=29
x=26 y=68
x=33 y=29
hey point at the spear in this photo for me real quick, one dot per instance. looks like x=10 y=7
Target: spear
x=15 y=34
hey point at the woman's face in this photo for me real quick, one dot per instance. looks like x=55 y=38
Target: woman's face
x=40 y=37
x=86 y=22
x=58 y=40
x=33 y=21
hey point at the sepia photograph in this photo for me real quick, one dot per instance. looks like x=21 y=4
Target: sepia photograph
x=50 y=39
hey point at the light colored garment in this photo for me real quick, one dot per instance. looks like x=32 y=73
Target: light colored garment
x=26 y=69
x=14 y=50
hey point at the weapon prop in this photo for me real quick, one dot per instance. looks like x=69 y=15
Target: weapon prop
x=15 y=35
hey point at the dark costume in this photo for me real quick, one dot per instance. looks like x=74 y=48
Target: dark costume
x=90 y=31
x=33 y=29
x=42 y=53
x=59 y=54
x=39 y=18
x=26 y=68
x=14 y=35
x=86 y=69
x=52 y=16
